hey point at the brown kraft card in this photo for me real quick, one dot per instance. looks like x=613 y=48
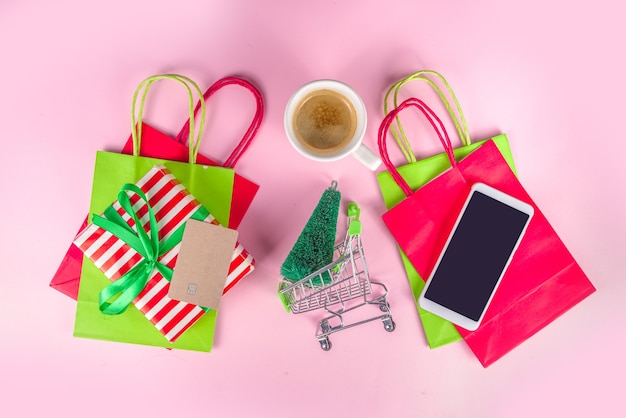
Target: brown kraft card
x=206 y=251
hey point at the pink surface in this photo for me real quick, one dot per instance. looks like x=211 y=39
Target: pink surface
x=549 y=74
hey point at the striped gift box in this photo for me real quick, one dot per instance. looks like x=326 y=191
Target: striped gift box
x=172 y=205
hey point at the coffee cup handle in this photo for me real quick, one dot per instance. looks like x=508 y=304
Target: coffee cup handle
x=367 y=157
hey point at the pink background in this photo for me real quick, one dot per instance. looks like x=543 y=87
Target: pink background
x=550 y=74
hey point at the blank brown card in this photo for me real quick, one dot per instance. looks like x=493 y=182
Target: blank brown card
x=206 y=251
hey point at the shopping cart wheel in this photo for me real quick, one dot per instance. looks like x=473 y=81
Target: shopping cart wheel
x=325 y=344
x=389 y=325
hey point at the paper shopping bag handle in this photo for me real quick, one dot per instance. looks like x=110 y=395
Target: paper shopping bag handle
x=459 y=121
x=186 y=82
x=252 y=129
x=384 y=128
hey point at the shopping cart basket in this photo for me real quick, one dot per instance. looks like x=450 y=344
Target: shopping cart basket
x=331 y=287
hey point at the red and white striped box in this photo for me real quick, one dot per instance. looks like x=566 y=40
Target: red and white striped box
x=172 y=205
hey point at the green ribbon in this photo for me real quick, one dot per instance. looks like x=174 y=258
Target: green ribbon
x=115 y=298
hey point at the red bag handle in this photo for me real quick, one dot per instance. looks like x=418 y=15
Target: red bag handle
x=252 y=129
x=384 y=130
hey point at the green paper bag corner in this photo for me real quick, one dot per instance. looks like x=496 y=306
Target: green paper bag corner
x=211 y=186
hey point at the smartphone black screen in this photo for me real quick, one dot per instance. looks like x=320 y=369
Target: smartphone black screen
x=476 y=255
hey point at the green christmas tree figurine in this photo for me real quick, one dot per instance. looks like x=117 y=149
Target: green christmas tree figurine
x=315 y=245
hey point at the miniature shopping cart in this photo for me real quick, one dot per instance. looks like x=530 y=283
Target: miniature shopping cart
x=331 y=288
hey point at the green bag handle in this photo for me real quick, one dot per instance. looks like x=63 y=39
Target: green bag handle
x=459 y=121
x=145 y=85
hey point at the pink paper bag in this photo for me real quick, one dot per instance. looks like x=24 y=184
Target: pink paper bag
x=542 y=281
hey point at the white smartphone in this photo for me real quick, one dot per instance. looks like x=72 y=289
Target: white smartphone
x=474 y=259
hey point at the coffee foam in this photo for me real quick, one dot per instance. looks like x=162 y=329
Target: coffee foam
x=324 y=121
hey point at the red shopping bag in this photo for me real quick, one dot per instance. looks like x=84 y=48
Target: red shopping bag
x=542 y=281
x=156 y=144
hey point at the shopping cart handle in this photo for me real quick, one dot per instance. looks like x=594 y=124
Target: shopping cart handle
x=354 y=227
x=353 y=210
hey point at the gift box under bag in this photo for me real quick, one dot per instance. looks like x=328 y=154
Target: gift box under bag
x=156 y=144
x=542 y=281
x=416 y=173
x=112 y=172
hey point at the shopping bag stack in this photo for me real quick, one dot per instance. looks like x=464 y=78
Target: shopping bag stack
x=140 y=207
x=423 y=200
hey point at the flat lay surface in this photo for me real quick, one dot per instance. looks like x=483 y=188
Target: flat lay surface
x=549 y=75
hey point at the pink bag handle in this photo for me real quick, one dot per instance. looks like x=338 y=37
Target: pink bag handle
x=252 y=129
x=384 y=130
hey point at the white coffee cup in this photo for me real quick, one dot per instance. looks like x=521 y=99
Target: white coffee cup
x=325 y=120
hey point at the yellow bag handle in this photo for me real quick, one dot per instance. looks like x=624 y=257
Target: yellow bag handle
x=145 y=85
x=459 y=121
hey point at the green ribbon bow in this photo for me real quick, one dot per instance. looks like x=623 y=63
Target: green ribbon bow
x=115 y=298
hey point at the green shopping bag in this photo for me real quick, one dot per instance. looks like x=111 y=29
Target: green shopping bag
x=208 y=184
x=438 y=331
